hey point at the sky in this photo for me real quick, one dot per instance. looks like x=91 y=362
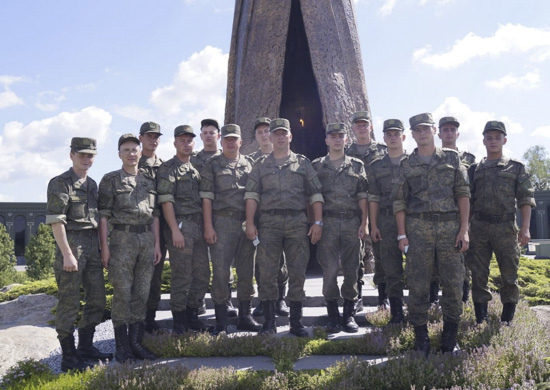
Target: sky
x=101 y=68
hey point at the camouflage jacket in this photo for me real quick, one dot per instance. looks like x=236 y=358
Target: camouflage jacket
x=199 y=159
x=383 y=175
x=466 y=158
x=150 y=166
x=72 y=201
x=256 y=155
x=374 y=151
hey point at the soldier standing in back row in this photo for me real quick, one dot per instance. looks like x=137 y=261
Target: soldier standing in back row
x=72 y=213
x=344 y=184
x=367 y=150
x=498 y=183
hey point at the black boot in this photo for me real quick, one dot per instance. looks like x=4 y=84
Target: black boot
x=221 y=319
x=246 y=322
x=296 y=327
x=508 y=311
x=434 y=293
x=422 y=340
x=382 y=297
x=480 y=309
x=150 y=324
x=396 y=310
x=71 y=360
x=194 y=322
x=179 y=325
x=269 y=326
x=202 y=308
x=258 y=310
x=359 y=303
x=448 y=337
x=350 y=326
x=86 y=348
x=123 y=351
x=281 y=309
x=135 y=335
x=231 y=310
x=333 y=312
x=465 y=291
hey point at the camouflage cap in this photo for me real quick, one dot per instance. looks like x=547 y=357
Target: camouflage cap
x=127 y=137
x=421 y=119
x=210 y=122
x=231 y=131
x=279 y=123
x=393 y=124
x=495 y=125
x=83 y=145
x=184 y=130
x=448 y=119
x=335 y=128
x=261 y=121
x=150 y=127
x=361 y=116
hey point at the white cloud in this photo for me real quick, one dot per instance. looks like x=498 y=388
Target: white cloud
x=509 y=38
x=49 y=100
x=543 y=131
x=386 y=8
x=8 y=99
x=530 y=80
x=437 y=2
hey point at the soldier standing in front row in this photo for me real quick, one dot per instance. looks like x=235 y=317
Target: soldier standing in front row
x=72 y=213
x=498 y=183
x=431 y=209
x=280 y=186
x=127 y=202
x=344 y=184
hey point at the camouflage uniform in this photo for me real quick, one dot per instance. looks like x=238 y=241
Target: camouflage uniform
x=199 y=159
x=428 y=193
x=72 y=201
x=129 y=202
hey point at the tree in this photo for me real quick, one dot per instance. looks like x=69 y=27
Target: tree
x=7 y=257
x=538 y=165
x=40 y=253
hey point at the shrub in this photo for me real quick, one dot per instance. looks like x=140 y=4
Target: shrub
x=40 y=253
x=7 y=258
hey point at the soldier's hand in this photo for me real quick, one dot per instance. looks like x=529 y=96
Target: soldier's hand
x=404 y=242
x=462 y=241
x=315 y=232
x=105 y=256
x=524 y=236
x=178 y=240
x=69 y=263
x=158 y=254
x=251 y=231
x=375 y=235
x=210 y=235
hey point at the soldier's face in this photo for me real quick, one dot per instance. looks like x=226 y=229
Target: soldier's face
x=184 y=145
x=448 y=134
x=280 y=139
x=149 y=142
x=231 y=145
x=394 y=139
x=423 y=135
x=82 y=161
x=336 y=141
x=361 y=130
x=210 y=136
x=262 y=135
x=494 y=141
x=130 y=153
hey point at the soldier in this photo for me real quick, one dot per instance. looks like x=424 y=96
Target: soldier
x=383 y=172
x=127 y=202
x=280 y=185
x=344 y=184
x=497 y=184
x=222 y=189
x=431 y=210
x=178 y=191
x=149 y=163
x=261 y=133
x=367 y=150
x=72 y=213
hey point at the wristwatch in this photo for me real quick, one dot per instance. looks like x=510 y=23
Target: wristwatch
x=399 y=238
x=320 y=223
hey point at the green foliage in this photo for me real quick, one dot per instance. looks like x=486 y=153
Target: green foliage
x=40 y=253
x=7 y=258
x=45 y=286
x=25 y=374
x=538 y=165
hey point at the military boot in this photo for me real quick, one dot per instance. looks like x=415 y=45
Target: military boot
x=434 y=293
x=382 y=296
x=231 y=310
x=349 y=324
x=202 y=308
x=135 y=335
x=246 y=322
x=258 y=310
x=333 y=312
x=86 y=348
x=480 y=310
x=508 y=311
x=359 y=303
x=179 y=324
x=194 y=322
x=70 y=359
x=296 y=327
x=123 y=351
x=150 y=324
x=422 y=340
x=281 y=309
x=269 y=326
x=465 y=291
x=448 y=337
x=396 y=310
x=221 y=319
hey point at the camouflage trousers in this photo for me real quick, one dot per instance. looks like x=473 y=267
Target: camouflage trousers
x=391 y=258
x=232 y=245
x=278 y=233
x=85 y=247
x=432 y=242
x=130 y=272
x=190 y=266
x=500 y=238
x=282 y=275
x=156 y=281
x=339 y=245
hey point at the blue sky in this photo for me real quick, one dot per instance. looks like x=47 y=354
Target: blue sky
x=101 y=68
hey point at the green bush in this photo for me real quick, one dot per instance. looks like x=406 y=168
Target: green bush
x=40 y=253
x=8 y=261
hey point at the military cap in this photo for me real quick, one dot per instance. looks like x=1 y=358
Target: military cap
x=421 y=119
x=83 y=145
x=150 y=127
x=231 y=131
x=449 y=119
x=393 y=124
x=335 y=128
x=127 y=137
x=210 y=122
x=495 y=125
x=261 y=121
x=360 y=116
x=279 y=123
x=184 y=130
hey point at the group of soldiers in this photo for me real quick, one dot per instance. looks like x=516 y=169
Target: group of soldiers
x=259 y=213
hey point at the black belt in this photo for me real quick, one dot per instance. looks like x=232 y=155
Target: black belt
x=340 y=214
x=195 y=217
x=240 y=215
x=83 y=231
x=386 y=211
x=132 y=228
x=284 y=212
x=495 y=218
x=435 y=217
